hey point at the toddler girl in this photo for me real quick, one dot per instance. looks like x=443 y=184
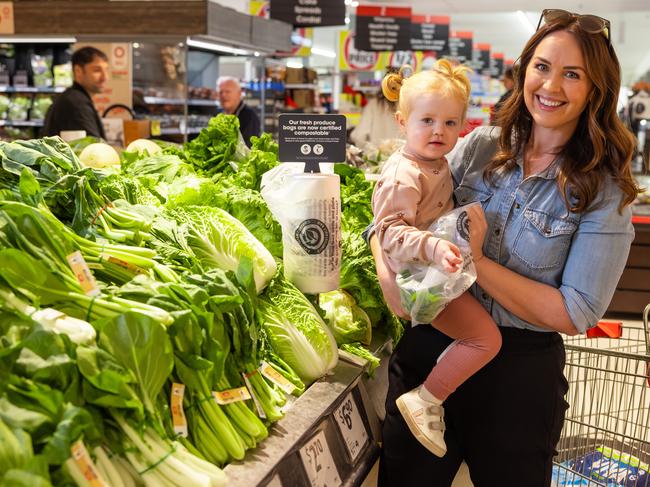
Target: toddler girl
x=414 y=189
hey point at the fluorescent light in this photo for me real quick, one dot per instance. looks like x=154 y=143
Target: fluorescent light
x=354 y=4
x=213 y=46
x=323 y=52
x=347 y=19
x=36 y=40
x=523 y=18
x=294 y=64
x=348 y=2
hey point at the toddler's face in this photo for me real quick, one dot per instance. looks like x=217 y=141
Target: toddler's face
x=432 y=126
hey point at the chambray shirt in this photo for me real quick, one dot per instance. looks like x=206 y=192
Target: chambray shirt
x=531 y=232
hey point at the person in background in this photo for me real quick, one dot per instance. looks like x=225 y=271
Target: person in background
x=377 y=123
x=74 y=109
x=230 y=98
x=508 y=83
x=555 y=185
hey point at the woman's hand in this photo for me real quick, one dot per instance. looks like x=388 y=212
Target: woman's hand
x=387 y=281
x=477 y=230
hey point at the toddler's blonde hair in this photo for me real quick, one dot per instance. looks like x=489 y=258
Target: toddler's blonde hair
x=443 y=78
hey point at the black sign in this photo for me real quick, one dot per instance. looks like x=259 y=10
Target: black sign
x=429 y=33
x=309 y=13
x=460 y=46
x=312 y=138
x=481 y=59
x=383 y=28
x=497 y=66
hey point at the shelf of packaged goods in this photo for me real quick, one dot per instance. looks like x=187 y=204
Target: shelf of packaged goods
x=155 y=100
x=21 y=123
x=301 y=86
x=31 y=89
x=329 y=436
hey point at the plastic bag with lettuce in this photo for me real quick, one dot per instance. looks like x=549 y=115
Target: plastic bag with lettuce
x=426 y=289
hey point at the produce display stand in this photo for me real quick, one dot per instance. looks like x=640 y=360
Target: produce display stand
x=329 y=436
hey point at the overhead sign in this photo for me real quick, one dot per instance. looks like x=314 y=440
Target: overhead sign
x=311 y=138
x=497 y=67
x=352 y=59
x=460 y=46
x=258 y=8
x=383 y=28
x=309 y=13
x=481 y=58
x=302 y=39
x=430 y=32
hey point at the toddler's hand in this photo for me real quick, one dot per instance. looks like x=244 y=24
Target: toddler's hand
x=448 y=256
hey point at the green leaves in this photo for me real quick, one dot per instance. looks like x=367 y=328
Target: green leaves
x=141 y=345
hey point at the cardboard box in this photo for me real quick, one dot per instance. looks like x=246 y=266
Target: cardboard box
x=303 y=98
x=136 y=129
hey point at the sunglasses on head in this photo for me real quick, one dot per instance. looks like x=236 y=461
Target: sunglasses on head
x=591 y=24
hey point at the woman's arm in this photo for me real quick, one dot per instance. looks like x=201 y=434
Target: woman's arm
x=530 y=300
x=386 y=279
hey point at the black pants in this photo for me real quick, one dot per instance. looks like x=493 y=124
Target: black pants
x=505 y=421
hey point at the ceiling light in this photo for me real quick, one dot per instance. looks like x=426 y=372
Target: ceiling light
x=294 y=64
x=215 y=47
x=354 y=4
x=323 y=52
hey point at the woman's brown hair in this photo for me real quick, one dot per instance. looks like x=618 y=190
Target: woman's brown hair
x=600 y=145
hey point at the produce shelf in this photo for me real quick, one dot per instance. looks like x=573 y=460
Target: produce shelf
x=31 y=89
x=329 y=436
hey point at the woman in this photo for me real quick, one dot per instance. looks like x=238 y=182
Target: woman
x=550 y=244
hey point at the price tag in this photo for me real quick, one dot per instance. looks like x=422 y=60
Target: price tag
x=82 y=272
x=231 y=395
x=351 y=426
x=86 y=465
x=155 y=128
x=123 y=264
x=318 y=462
x=178 y=413
x=268 y=371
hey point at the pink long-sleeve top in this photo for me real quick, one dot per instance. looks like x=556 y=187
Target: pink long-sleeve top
x=408 y=197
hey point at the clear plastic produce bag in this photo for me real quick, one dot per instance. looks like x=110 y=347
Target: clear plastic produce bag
x=425 y=289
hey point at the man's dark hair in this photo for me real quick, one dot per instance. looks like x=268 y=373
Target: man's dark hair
x=87 y=55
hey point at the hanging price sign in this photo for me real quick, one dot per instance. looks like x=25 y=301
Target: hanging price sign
x=351 y=426
x=318 y=462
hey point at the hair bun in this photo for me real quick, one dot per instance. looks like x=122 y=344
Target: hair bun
x=392 y=82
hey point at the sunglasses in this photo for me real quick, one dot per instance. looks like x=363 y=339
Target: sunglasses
x=592 y=24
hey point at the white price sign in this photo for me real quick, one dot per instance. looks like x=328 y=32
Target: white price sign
x=318 y=462
x=351 y=426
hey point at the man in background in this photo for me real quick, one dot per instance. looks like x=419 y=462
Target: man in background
x=508 y=83
x=74 y=108
x=230 y=98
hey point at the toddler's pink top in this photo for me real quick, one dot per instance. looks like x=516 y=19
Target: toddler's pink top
x=408 y=197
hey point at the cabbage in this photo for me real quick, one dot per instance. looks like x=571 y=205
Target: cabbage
x=145 y=146
x=348 y=322
x=99 y=155
x=220 y=240
x=296 y=331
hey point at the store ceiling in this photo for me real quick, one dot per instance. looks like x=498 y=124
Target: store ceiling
x=497 y=22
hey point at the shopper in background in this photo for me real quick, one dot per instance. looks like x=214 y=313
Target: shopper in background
x=415 y=188
x=508 y=83
x=555 y=186
x=230 y=98
x=377 y=123
x=74 y=108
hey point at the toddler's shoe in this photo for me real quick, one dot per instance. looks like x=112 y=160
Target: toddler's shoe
x=425 y=420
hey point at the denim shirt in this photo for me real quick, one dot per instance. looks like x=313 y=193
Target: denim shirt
x=531 y=232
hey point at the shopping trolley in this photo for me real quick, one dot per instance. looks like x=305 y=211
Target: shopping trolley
x=606 y=434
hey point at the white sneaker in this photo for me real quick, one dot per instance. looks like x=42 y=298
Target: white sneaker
x=425 y=419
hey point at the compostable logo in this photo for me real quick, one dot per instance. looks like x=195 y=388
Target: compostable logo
x=462 y=225
x=313 y=236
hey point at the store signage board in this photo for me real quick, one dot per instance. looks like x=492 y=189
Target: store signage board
x=309 y=13
x=311 y=138
x=497 y=66
x=353 y=59
x=460 y=46
x=430 y=32
x=318 y=462
x=7 y=18
x=481 y=58
x=351 y=426
x=383 y=28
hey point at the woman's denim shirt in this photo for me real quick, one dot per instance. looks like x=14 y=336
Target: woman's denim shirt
x=531 y=232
